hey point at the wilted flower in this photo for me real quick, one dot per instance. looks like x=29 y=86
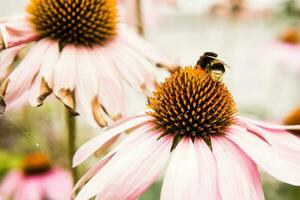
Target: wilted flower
x=81 y=54
x=193 y=128
x=38 y=181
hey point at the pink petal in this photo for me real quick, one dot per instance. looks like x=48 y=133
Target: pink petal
x=208 y=171
x=283 y=165
x=90 y=147
x=131 y=171
x=57 y=185
x=21 y=78
x=237 y=175
x=91 y=172
x=279 y=139
x=184 y=177
x=139 y=66
x=34 y=91
x=110 y=88
x=133 y=40
x=123 y=65
x=268 y=125
x=65 y=71
x=86 y=85
x=29 y=189
x=17 y=32
x=9 y=184
x=49 y=63
x=7 y=57
x=112 y=97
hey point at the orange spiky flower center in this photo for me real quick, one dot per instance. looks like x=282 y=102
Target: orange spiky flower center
x=191 y=104
x=79 y=22
x=36 y=163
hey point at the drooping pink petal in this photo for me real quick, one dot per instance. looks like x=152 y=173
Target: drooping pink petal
x=184 y=177
x=34 y=91
x=123 y=64
x=29 y=189
x=18 y=104
x=49 y=63
x=17 y=32
x=65 y=71
x=131 y=38
x=7 y=57
x=57 y=185
x=110 y=87
x=10 y=184
x=283 y=165
x=237 y=174
x=90 y=147
x=91 y=172
x=86 y=85
x=279 y=139
x=268 y=125
x=21 y=78
x=131 y=171
x=139 y=66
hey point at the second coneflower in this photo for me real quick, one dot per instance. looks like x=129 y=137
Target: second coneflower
x=81 y=54
x=192 y=128
x=37 y=181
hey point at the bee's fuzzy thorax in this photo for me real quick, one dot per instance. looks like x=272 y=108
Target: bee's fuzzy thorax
x=78 y=22
x=190 y=103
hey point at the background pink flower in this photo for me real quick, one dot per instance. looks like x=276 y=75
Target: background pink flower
x=37 y=181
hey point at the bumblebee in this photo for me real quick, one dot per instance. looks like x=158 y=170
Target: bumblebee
x=211 y=65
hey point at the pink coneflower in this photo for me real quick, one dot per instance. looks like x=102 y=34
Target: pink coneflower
x=81 y=54
x=192 y=129
x=38 y=181
x=286 y=49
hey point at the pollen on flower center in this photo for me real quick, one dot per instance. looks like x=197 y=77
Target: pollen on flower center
x=36 y=163
x=190 y=103
x=79 y=22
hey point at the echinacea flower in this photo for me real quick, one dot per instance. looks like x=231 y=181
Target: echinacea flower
x=81 y=54
x=192 y=128
x=37 y=181
x=286 y=49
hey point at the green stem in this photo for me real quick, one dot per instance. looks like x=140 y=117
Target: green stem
x=139 y=17
x=71 y=130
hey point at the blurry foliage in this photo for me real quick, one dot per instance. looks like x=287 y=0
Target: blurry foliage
x=153 y=193
x=35 y=129
x=8 y=162
x=290 y=12
x=275 y=190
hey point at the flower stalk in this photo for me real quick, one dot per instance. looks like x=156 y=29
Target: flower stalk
x=71 y=131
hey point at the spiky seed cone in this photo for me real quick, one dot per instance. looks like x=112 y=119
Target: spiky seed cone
x=79 y=22
x=191 y=104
